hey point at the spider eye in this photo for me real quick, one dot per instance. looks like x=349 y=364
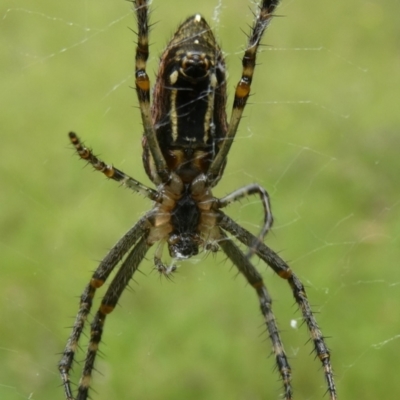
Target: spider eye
x=182 y=246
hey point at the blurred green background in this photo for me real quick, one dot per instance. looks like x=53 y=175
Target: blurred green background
x=321 y=134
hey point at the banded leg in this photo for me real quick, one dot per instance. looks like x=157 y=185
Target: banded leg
x=143 y=87
x=99 y=277
x=109 y=301
x=242 y=92
x=254 y=278
x=109 y=171
x=299 y=293
x=248 y=191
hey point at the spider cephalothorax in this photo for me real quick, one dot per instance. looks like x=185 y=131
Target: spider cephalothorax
x=185 y=146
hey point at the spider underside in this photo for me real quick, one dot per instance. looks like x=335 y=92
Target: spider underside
x=186 y=141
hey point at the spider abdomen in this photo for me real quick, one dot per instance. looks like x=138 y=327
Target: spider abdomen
x=189 y=100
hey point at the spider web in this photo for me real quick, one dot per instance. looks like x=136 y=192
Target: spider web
x=320 y=134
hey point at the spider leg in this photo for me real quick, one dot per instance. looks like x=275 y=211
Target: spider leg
x=299 y=293
x=109 y=301
x=161 y=267
x=99 y=277
x=109 y=171
x=248 y=191
x=143 y=88
x=244 y=265
x=264 y=16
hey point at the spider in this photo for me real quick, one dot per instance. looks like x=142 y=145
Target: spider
x=185 y=143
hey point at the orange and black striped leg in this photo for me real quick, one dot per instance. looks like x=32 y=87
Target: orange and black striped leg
x=109 y=171
x=299 y=293
x=99 y=277
x=254 y=278
x=248 y=191
x=109 y=301
x=143 y=87
x=242 y=92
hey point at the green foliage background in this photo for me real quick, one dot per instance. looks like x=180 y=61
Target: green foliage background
x=321 y=134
